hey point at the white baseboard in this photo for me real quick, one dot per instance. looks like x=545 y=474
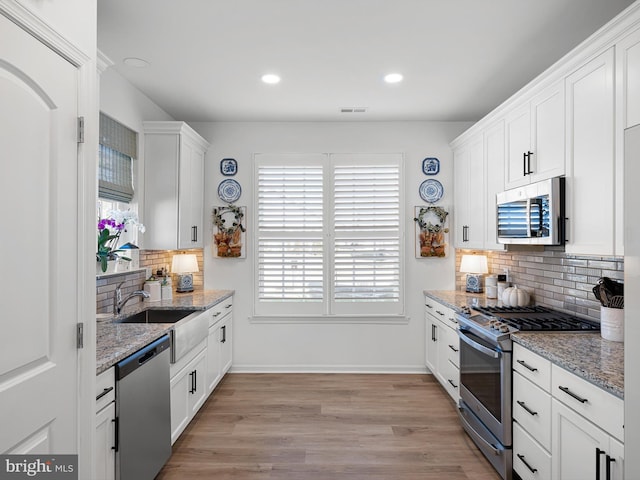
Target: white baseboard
x=400 y=369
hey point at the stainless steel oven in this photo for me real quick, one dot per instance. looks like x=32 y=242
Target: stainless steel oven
x=485 y=371
x=485 y=394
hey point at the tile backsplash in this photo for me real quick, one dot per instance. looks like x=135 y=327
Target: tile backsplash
x=153 y=259
x=554 y=278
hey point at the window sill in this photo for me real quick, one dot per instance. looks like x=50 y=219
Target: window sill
x=331 y=319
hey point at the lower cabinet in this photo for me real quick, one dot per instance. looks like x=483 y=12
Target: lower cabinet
x=565 y=428
x=188 y=390
x=442 y=346
x=581 y=450
x=219 y=343
x=105 y=445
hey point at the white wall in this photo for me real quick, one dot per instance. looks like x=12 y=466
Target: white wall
x=123 y=102
x=328 y=347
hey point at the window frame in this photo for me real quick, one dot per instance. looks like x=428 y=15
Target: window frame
x=328 y=310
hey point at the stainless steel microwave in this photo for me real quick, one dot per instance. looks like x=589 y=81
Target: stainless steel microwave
x=532 y=214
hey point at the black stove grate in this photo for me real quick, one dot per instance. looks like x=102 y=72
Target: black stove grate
x=538 y=318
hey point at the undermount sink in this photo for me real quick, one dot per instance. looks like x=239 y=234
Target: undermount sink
x=157 y=316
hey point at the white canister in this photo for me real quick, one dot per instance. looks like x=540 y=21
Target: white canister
x=612 y=324
x=152 y=287
x=491 y=291
x=491 y=281
x=501 y=287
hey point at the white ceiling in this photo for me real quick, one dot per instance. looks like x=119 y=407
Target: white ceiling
x=460 y=58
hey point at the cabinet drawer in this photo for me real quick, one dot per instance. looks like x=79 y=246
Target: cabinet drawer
x=530 y=460
x=451 y=345
x=593 y=403
x=438 y=310
x=450 y=377
x=532 y=366
x=105 y=388
x=532 y=409
x=220 y=310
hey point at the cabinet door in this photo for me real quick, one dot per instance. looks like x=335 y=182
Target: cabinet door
x=448 y=372
x=197 y=383
x=494 y=155
x=590 y=155
x=431 y=337
x=547 y=133
x=213 y=358
x=105 y=453
x=518 y=143
x=190 y=203
x=575 y=445
x=180 y=411
x=226 y=343
x=469 y=195
x=615 y=460
x=628 y=78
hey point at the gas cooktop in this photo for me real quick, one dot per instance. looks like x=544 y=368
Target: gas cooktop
x=537 y=318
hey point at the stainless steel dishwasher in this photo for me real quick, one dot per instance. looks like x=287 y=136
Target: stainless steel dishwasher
x=143 y=411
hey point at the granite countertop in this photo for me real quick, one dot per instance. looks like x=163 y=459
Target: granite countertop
x=116 y=341
x=585 y=354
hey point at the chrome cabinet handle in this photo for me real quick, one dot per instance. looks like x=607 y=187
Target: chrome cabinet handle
x=527 y=409
x=521 y=457
x=524 y=364
x=571 y=394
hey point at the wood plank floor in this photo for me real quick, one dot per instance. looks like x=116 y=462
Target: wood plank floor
x=327 y=427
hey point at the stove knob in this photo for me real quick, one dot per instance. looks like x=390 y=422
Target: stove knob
x=504 y=328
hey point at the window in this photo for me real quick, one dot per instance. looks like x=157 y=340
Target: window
x=329 y=235
x=118 y=148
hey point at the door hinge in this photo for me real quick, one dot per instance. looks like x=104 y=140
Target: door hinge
x=80 y=335
x=80 y=129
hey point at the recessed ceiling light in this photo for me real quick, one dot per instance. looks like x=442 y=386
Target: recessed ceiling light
x=135 y=62
x=271 y=78
x=393 y=78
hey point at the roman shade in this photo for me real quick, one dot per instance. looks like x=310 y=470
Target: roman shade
x=118 y=148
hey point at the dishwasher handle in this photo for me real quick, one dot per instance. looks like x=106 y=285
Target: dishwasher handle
x=141 y=357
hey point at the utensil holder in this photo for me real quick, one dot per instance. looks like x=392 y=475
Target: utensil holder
x=612 y=324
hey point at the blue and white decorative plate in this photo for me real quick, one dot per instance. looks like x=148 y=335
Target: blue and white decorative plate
x=228 y=167
x=431 y=190
x=431 y=166
x=229 y=190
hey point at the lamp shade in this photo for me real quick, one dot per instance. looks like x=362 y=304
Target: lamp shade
x=473 y=264
x=185 y=263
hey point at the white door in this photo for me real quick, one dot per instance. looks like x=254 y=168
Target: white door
x=38 y=291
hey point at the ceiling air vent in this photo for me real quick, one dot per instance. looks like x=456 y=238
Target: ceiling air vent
x=353 y=110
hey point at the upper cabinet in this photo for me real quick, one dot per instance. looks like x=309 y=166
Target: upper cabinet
x=590 y=158
x=628 y=80
x=173 y=186
x=468 y=166
x=535 y=138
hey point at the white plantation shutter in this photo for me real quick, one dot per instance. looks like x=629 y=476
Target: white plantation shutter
x=367 y=233
x=354 y=201
x=290 y=233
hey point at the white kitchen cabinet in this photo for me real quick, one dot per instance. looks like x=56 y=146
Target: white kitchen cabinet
x=579 y=447
x=468 y=165
x=105 y=445
x=494 y=156
x=188 y=388
x=443 y=346
x=590 y=197
x=535 y=138
x=628 y=80
x=219 y=344
x=173 y=186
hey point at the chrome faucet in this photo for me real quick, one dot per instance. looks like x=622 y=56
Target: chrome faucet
x=119 y=302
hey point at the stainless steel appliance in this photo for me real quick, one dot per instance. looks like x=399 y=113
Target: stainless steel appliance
x=143 y=412
x=485 y=371
x=532 y=214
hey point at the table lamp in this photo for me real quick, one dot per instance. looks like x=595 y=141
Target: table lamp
x=184 y=265
x=474 y=266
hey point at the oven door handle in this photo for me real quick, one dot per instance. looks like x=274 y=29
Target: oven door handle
x=466 y=338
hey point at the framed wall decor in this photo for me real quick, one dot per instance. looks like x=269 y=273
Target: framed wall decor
x=229 y=232
x=228 y=167
x=431 y=166
x=432 y=231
